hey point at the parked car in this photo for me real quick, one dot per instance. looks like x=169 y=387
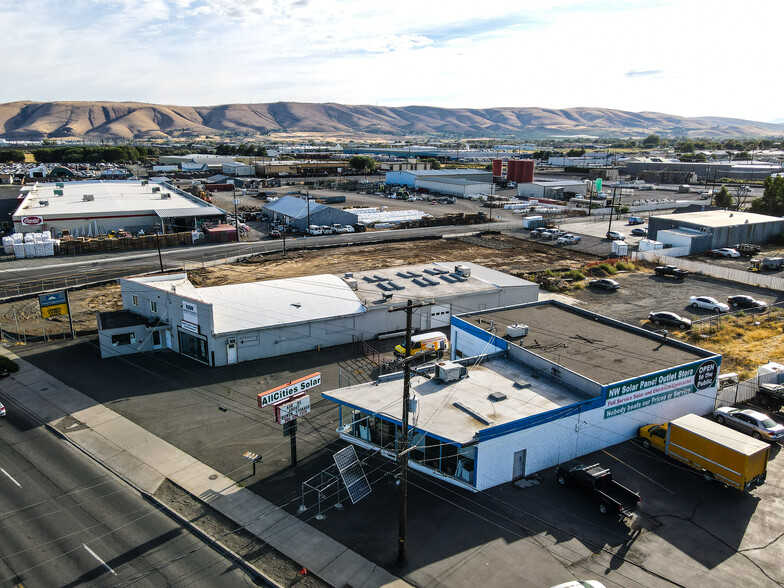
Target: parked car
x=742 y=301
x=339 y=229
x=605 y=284
x=569 y=239
x=708 y=303
x=315 y=230
x=359 y=227
x=640 y=232
x=549 y=234
x=349 y=229
x=275 y=234
x=671 y=270
x=670 y=319
x=636 y=220
x=757 y=424
x=610 y=496
x=724 y=252
x=2 y=409
x=615 y=236
x=537 y=233
x=327 y=230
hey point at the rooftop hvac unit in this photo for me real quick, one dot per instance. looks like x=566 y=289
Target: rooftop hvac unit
x=58 y=192
x=59 y=185
x=352 y=283
x=449 y=371
x=463 y=270
x=387 y=295
x=516 y=330
x=165 y=196
x=144 y=182
x=43 y=202
x=88 y=197
x=156 y=189
x=348 y=275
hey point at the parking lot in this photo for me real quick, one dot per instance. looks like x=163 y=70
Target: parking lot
x=687 y=532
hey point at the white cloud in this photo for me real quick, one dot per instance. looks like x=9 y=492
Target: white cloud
x=670 y=56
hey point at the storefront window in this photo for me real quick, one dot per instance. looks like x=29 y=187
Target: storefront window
x=193 y=346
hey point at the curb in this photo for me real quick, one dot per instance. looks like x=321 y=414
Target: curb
x=163 y=507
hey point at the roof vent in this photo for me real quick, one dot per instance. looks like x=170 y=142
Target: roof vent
x=497 y=396
x=351 y=283
x=516 y=330
x=387 y=295
x=88 y=198
x=43 y=202
x=463 y=270
x=156 y=189
x=165 y=196
x=348 y=275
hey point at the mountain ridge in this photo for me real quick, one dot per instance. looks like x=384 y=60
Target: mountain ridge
x=103 y=120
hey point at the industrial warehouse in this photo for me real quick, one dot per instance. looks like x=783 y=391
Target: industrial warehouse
x=528 y=387
x=96 y=207
x=223 y=325
x=695 y=232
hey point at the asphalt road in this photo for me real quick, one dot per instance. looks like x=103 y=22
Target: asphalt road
x=67 y=522
x=53 y=273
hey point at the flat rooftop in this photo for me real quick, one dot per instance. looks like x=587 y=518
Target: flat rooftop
x=110 y=197
x=599 y=348
x=437 y=412
x=720 y=218
x=428 y=280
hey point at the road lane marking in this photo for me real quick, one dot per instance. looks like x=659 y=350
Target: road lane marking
x=10 y=477
x=95 y=555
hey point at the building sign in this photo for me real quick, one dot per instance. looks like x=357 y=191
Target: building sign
x=281 y=393
x=186 y=326
x=32 y=220
x=190 y=317
x=249 y=340
x=647 y=390
x=53 y=304
x=288 y=411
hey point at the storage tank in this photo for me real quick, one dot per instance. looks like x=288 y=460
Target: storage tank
x=511 y=170
x=498 y=168
x=526 y=169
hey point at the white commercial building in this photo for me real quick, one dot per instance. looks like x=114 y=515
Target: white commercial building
x=460 y=187
x=411 y=177
x=97 y=207
x=528 y=387
x=223 y=325
x=553 y=189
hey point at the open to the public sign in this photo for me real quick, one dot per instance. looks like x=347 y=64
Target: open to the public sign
x=295 y=408
x=286 y=391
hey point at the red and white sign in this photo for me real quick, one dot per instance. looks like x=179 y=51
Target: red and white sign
x=288 y=411
x=32 y=220
x=281 y=393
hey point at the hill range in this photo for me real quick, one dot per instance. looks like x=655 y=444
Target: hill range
x=140 y=121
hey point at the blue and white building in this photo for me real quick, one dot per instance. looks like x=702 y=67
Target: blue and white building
x=529 y=387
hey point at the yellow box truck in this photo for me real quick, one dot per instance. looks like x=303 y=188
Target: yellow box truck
x=720 y=453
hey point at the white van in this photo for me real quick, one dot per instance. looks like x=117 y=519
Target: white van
x=435 y=342
x=315 y=230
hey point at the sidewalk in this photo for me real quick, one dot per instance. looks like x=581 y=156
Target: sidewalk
x=145 y=461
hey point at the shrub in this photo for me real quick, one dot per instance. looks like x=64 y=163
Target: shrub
x=608 y=269
x=625 y=266
x=578 y=285
x=8 y=365
x=575 y=275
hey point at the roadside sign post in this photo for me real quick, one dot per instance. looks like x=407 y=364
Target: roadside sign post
x=56 y=304
x=254 y=458
x=290 y=402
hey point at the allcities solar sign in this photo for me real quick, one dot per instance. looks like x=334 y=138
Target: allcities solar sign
x=281 y=393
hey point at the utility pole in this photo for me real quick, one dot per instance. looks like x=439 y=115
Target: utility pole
x=307 y=197
x=403 y=446
x=158 y=243
x=236 y=218
x=612 y=207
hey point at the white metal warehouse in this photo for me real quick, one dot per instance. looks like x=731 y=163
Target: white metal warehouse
x=97 y=207
x=528 y=387
x=223 y=325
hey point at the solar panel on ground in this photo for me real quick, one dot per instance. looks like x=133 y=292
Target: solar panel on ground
x=379 y=278
x=447 y=279
x=396 y=286
x=431 y=282
x=402 y=275
x=368 y=279
x=352 y=474
x=458 y=277
x=430 y=272
x=383 y=286
x=414 y=275
x=420 y=283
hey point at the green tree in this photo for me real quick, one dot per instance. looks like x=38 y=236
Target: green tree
x=362 y=163
x=575 y=153
x=743 y=156
x=772 y=200
x=434 y=163
x=12 y=156
x=723 y=198
x=651 y=141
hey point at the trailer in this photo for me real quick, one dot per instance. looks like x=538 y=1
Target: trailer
x=716 y=451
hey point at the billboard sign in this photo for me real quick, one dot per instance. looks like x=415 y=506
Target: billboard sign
x=293 y=388
x=53 y=304
x=288 y=411
x=654 y=388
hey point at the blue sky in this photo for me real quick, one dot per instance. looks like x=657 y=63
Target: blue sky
x=685 y=57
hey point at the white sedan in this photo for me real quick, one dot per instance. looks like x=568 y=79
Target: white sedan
x=726 y=252
x=708 y=303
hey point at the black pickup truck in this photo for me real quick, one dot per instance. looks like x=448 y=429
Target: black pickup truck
x=610 y=496
x=671 y=270
x=771 y=396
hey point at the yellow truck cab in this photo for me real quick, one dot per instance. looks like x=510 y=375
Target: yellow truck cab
x=435 y=342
